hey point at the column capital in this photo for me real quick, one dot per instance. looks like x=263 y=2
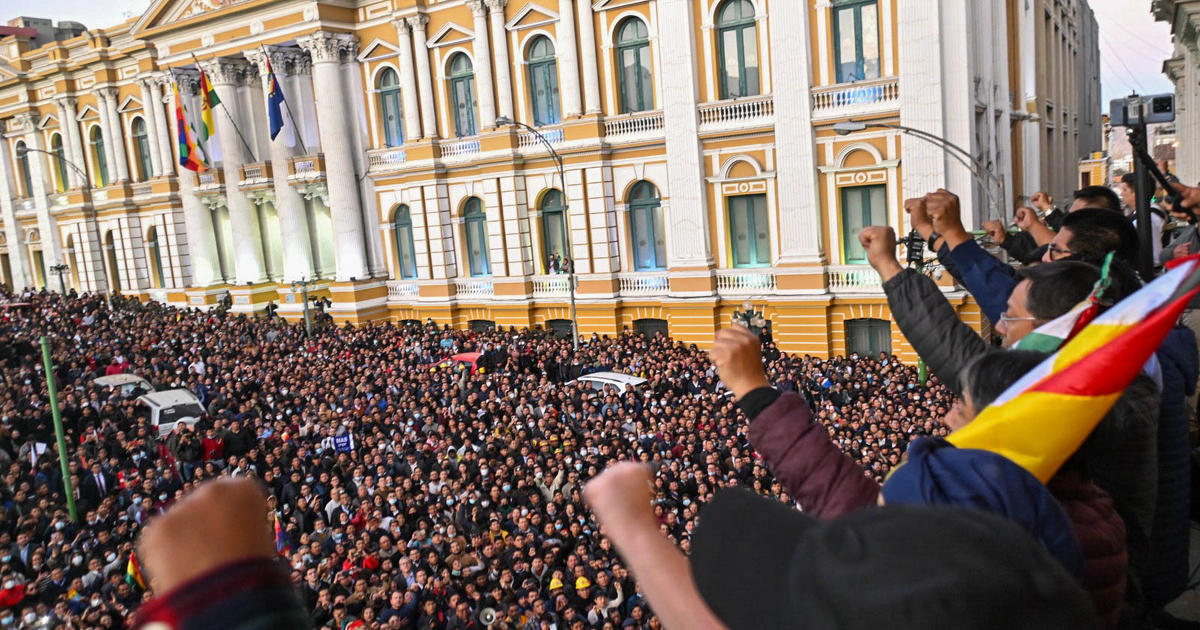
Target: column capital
x=478 y=7
x=402 y=26
x=66 y=102
x=187 y=80
x=326 y=47
x=226 y=70
x=497 y=6
x=108 y=93
x=418 y=22
x=279 y=58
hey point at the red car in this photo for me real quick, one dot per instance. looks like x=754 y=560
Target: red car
x=469 y=360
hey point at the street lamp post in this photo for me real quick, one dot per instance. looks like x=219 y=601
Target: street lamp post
x=303 y=285
x=59 y=269
x=95 y=223
x=504 y=121
x=977 y=168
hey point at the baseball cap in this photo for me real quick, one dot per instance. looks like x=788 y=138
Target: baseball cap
x=761 y=564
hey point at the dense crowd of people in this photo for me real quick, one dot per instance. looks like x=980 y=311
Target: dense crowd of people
x=408 y=492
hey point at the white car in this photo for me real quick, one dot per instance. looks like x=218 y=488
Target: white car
x=618 y=381
x=172 y=407
x=126 y=383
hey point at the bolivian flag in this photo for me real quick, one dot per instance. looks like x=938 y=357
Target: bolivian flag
x=1042 y=419
x=133 y=573
x=189 y=154
x=208 y=101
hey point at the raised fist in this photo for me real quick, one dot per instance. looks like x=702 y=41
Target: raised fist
x=944 y=211
x=1042 y=200
x=737 y=354
x=1025 y=218
x=919 y=216
x=995 y=231
x=879 y=242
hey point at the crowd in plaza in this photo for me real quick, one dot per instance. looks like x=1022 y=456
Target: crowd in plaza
x=408 y=494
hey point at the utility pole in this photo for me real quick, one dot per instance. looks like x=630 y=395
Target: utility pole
x=303 y=285
x=59 y=269
x=59 y=438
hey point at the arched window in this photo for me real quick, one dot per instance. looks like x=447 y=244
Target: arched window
x=737 y=38
x=856 y=39
x=543 y=81
x=155 y=253
x=99 y=165
x=633 y=61
x=389 y=108
x=60 y=162
x=554 y=230
x=475 y=226
x=462 y=94
x=405 y=252
x=23 y=167
x=646 y=220
x=141 y=145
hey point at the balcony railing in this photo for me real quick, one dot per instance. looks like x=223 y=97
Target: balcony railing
x=744 y=281
x=389 y=159
x=742 y=112
x=210 y=181
x=402 y=290
x=307 y=167
x=474 y=288
x=257 y=170
x=644 y=284
x=639 y=124
x=460 y=149
x=856 y=99
x=854 y=279
x=529 y=140
x=551 y=286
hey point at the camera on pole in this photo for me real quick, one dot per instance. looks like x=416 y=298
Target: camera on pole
x=1135 y=112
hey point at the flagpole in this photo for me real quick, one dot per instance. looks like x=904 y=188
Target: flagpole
x=249 y=151
x=295 y=126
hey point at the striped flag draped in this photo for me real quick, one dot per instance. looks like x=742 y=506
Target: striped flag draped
x=1043 y=418
x=133 y=573
x=282 y=544
x=189 y=154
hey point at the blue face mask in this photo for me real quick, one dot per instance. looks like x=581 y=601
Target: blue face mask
x=449 y=501
x=507 y=487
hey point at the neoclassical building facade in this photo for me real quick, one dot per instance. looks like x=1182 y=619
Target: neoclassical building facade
x=702 y=168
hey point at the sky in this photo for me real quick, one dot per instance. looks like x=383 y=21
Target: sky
x=1132 y=45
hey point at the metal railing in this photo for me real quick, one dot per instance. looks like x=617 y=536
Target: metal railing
x=853 y=279
x=551 y=286
x=474 y=288
x=744 y=281
x=459 y=149
x=641 y=123
x=307 y=166
x=647 y=283
x=402 y=289
x=734 y=113
x=257 y=170
x=856 y=98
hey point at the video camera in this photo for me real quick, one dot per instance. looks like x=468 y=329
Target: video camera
x=1135 y=110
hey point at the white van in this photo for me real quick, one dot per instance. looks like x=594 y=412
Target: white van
x=618 y=381
x=126 y=384
x=172 y=407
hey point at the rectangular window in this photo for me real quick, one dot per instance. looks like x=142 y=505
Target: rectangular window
x=393 y=129
x=749 y=231
x=861 y=206
x=408 y=257
x=39 y=269
x=856 y=41
x=464 y=107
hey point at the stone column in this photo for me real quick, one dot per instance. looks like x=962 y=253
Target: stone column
x=408 y=82
x=799 y=218
x=424 y=75
x=289 y=205
x=149 y=105
x=687 y=209
x=504 y=87
x=47 y=227
x=165 y=140
x=587 y=43
x=72 y=139
x=327 y=50
x=483 y=66
x=227 y=75
x=17 y=263
x=116 y=135
x=106 y=129
x=922 y=99
x=568 y=61
x=197 y=218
